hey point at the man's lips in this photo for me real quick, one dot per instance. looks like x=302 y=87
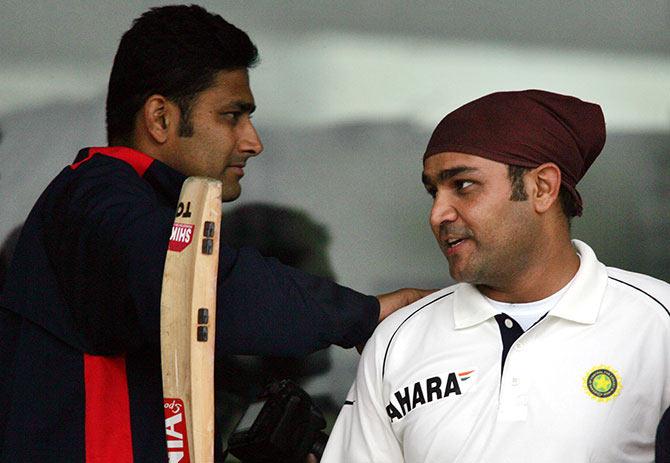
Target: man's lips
x=238 y=169
x=453 y=245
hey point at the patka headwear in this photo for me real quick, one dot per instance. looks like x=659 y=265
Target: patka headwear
x=526 y=128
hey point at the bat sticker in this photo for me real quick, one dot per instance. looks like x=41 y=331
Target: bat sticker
x=175 y=431
x=182 y=235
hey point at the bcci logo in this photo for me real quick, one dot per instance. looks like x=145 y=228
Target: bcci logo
x=602 y=383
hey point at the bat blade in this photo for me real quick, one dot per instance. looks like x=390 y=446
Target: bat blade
x=188 y=312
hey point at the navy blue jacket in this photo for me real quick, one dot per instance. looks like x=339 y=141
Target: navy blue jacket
x=80 y=318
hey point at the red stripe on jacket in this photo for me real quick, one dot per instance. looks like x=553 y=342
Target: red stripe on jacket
x=108 y=435
x=107 y=430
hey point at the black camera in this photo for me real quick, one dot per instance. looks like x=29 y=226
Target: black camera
x=283 y=426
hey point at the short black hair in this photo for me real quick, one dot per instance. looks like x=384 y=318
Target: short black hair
x=175 y=51
x=516 y=173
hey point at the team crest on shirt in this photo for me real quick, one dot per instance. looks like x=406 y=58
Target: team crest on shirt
x=431 y=389
x=602 y=383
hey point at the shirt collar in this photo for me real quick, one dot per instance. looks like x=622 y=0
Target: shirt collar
x=580 y=303
x=470 y=307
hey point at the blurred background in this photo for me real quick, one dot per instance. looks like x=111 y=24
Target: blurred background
x=348 y=94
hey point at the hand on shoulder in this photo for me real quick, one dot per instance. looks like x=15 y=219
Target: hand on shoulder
x=390 y=302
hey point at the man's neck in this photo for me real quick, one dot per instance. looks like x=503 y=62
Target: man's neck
x=544 y=277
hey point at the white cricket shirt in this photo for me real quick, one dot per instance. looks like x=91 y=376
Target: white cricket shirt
x=587 y=383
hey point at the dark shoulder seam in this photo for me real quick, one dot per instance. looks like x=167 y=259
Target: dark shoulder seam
x=642 y=291
x=403 y=322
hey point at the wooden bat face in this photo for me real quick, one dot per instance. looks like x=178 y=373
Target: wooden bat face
x=188 y=309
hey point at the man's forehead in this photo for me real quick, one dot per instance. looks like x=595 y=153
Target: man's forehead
x=450 y=159
x=231 y=86
x=441 y=167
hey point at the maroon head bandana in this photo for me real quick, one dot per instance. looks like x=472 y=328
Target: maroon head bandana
x=526 y=128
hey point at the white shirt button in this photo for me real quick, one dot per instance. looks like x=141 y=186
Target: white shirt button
x=509 y=323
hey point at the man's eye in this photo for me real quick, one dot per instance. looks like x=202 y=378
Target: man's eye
x=462 y=184
x=232 y=115
x=432 y=192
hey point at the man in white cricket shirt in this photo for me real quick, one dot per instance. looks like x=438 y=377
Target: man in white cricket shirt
x=540 y=353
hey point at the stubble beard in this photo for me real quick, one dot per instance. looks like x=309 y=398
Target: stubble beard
x=495 y=265
x=470 y=268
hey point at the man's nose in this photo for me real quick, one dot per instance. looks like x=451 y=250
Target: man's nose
x=443 y=210
x=249 y=142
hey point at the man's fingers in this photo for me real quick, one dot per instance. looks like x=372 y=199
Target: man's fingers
x=390 y=302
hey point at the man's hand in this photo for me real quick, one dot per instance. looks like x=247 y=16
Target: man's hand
x=390 y=302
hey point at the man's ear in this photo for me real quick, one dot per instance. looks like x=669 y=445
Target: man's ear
x=545 y=184
x=160 y=117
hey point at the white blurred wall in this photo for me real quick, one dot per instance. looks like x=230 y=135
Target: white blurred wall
x=345 y=114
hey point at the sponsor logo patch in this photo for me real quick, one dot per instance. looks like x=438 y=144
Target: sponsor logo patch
x=431 y=389
x=602 y=383
x=182 y=235
x=175 y=431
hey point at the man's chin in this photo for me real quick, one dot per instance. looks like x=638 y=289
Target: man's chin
x=461 y=275
x=229 y=193
x=454 y=271
x=456 y=276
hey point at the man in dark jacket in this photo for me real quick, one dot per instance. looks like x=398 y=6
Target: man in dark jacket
x=79 y=321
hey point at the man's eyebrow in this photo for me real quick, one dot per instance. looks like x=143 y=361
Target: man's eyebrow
x=243 y=106
x=446 y=174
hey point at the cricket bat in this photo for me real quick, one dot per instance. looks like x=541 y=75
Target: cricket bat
x=188 y=310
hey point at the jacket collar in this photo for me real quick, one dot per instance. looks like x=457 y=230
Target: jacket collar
x=164 y=179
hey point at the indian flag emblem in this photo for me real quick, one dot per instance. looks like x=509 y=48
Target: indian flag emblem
x=602 y=383
x=464 y=375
